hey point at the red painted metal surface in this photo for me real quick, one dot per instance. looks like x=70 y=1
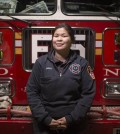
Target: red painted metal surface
x=16 y=127
x=104 y=127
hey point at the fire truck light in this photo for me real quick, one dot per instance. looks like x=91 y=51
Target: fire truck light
x=1 y=55
x=5 y=89
x=113 y=89
x=117 y=38
x=116 y=55
x=0 y=38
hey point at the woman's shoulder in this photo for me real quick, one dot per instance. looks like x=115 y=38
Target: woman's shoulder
x=42 y=58
x=81 y=59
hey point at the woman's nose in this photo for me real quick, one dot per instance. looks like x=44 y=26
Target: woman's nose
x=59 y=38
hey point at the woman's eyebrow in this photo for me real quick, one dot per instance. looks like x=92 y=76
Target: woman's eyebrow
x=61 y=33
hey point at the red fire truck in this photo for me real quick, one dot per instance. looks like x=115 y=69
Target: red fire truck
x=25 y=34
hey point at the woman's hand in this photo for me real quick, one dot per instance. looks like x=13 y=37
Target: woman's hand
x=54 y=124
x=62 y=123
x=58 y=124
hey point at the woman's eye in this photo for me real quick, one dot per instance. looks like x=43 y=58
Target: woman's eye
x=55 y=36
x=60 y=36
x=65 y=36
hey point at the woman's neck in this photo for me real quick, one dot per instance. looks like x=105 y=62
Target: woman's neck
x=61 y=56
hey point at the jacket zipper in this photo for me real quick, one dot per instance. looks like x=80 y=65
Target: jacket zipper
x=61 y=72
x=64 y=69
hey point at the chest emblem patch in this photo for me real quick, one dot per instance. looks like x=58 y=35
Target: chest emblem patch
x=75 y=68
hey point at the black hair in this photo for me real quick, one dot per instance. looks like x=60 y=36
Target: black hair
x=67 y=28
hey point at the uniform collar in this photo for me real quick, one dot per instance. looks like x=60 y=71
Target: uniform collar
x=71 y=57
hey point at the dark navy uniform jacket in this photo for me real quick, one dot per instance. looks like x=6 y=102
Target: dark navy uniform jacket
x=55 y=94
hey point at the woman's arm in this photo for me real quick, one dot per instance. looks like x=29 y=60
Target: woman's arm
x=88 y=89
x=33 y=95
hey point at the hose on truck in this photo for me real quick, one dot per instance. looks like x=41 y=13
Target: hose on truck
x=13 y=111
x=92 y=114
x=6 y=108
x=102 y=112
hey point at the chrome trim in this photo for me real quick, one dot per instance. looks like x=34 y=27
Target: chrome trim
x=103 y=86
x=89 y=42
x=103 y=54
x=12 y=83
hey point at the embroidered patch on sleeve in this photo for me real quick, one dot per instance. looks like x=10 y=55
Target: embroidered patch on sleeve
x=90 y=71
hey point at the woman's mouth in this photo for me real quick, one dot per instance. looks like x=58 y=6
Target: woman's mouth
x=59 y=44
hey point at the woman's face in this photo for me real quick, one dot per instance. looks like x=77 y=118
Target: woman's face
x=61 y=40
